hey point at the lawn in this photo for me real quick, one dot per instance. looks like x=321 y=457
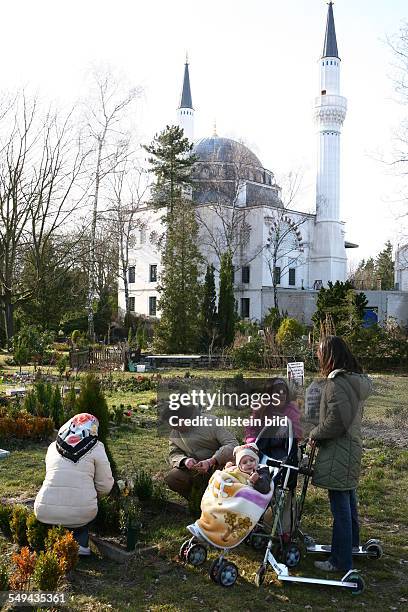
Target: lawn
x=159 y=582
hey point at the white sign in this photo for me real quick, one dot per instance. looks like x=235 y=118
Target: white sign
x=312 y=401
x=296 y=372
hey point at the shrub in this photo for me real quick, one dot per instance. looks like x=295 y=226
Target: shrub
x=6 y=512
x=250 y=354
x=70 y=404
x=36 y=533
x=143 y=485
x=47 y=572
x=272 y=319
x=66 y=549
x=26 y=428
x=108 y=517
x=53 y=535
x=62 y=363
x=4 y=578
x=116 y=414
x=57 y=408
x=289 y=330
x=18 y=525
x=25 y=562
x=159 y=497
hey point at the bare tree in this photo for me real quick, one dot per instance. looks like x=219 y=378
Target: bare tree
x=284 y=247
x=40 y=168
x=129 y=186
x=109 y=147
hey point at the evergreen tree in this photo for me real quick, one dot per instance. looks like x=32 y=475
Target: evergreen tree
x=343 y=304
x=385 y=267
x=57 y=409
x=226 y=302
x=179 y=303
x=92 y=400
x=172 y=160
x=208 y=318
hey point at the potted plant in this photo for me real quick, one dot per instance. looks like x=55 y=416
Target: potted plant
x=130 y=521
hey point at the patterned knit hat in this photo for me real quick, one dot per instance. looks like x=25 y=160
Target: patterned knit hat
x=250 y=450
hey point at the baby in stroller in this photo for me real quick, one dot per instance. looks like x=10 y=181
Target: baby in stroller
x=247 y=469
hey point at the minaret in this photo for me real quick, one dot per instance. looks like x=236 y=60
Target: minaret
x=328 y=257
x=185 y=112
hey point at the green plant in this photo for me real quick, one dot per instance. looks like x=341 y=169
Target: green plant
x=159 y=496
x=21 y=352
x=4 y=578
x=69 y=403
x=62 y=364
x=116 y=413
x=18 y=525
x=250 y=354
x=289 y=330
x=143 y=485
x=47 y=572
x=25 y=562
x=53 y=535
x=57 y=408
x=108 y=517
x=6 y=512
x=130 y=513
x=36 y=533
x=272 y=319
x=66 y=548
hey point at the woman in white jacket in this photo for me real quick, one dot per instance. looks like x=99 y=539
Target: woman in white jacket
x=77 y=472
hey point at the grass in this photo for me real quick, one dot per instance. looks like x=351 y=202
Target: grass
x=161 y=583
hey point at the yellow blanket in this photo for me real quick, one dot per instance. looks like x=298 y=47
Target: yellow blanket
x=229 y=511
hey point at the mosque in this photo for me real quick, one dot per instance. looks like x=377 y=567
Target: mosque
x=276 y=250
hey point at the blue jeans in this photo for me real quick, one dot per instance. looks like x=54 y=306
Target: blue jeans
x=81 y=535
x=346 y=529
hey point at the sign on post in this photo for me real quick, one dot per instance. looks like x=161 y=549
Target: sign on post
x=296 y=372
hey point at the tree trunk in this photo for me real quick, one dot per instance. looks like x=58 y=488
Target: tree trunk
x=8 y=317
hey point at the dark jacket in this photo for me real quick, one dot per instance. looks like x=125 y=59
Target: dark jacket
x=338 y=434
x=263 y=485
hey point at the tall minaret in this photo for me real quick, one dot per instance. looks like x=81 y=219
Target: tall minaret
x=328 y=257
x=185 y=112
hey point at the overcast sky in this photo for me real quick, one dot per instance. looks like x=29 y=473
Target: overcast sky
x=253 y=68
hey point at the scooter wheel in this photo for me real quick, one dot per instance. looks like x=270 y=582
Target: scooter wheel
x=196 y=554
x=359 y=580
x=183 y=550
x=260 y=575
x=214 y=568
x=292 y=555
x=374 y=551
x=227 y=574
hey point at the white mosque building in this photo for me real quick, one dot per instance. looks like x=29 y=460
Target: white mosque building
x=239 y=204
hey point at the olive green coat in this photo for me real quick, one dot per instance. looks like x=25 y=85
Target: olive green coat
x=338 y=435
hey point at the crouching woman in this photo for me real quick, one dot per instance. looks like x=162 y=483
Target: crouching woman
x=77 y=472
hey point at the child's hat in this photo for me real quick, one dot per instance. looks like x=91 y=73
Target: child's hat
x=251 y=450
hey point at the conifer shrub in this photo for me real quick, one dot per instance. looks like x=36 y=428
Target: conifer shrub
x=25 y=562
x=53 y=535
x=57 y=408
x=47 y=573
x=143 y=485
x=66 y=548
x=36 y=533
x=18 y=525
x=6 y=512
x=289 y=330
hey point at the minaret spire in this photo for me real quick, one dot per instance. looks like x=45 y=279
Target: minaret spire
x=185 y=112
x=330 y=41
x=328 y=256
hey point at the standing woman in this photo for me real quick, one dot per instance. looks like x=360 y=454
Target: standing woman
x=339 y=442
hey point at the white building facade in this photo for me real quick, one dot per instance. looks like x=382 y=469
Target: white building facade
x=234 y=194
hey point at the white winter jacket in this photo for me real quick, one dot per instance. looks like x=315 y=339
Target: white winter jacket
x=68 y=495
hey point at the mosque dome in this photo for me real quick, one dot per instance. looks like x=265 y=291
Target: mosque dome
x=222 y=165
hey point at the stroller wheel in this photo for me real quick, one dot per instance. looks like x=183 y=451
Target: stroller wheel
x=183 y=550
x=356 y=577
x=292 y=555
x=196 y=554
x=260 y=575
x=214 y=567
x=374 y=551
x=227 y=574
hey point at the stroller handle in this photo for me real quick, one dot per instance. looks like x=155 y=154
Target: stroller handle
x=282 y=464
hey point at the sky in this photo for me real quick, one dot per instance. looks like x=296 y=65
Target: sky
x=253 y=69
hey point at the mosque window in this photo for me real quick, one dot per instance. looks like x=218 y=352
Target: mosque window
x=245 y=308
x=245 y=274
x=131 y=274
x=331 y=63
x=292 y=276
x=132 y=304
x=277 y=275
x=152 y=306
x=324 y=92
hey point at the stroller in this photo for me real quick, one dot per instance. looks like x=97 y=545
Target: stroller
x=253 y=528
